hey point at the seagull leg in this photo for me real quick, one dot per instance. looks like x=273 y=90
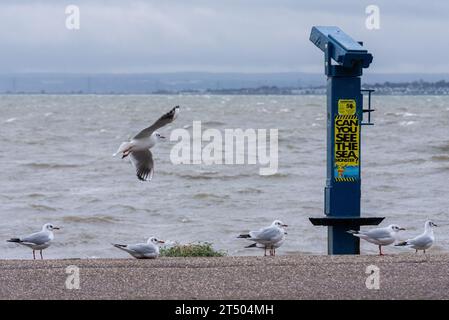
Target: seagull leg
x=42 y=258
x=34 y=256
x=274 y=251
x=416 y=251
x=126 y=153
x=265 y=252
x=380 y=251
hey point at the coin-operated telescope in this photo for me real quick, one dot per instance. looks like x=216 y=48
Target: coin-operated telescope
x=344 y=60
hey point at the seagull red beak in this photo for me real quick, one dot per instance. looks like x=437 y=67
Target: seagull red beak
x=161 y=241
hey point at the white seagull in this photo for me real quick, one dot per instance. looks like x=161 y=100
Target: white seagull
x=139 y=146
x=37 y=241
x=424 y=241
x=149 y=250
x=268 y=237
x=380 y=236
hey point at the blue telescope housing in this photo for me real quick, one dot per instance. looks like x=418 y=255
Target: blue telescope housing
x=349 y=55
x=344 y=60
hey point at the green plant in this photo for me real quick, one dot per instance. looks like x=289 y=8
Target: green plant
x=203 y=249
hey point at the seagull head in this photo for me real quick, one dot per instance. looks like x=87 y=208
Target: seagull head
x=395 y=228
x=279 y=224
x=155 y=240
x=429 y=224
x=49 y=227
x=158 y=136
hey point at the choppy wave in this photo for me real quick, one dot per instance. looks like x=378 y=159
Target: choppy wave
x=205 y=195
x=277 y=175
x=126 y=207
x=92 y=219
x=42 y=207
x=250 y=191
x=213 y=123
x=36 y=195
x=411 y=161
x=205 y=176
x=37 y=165
x=313 y=105
x=443 y=147
x=442 y=158
x=404 y=114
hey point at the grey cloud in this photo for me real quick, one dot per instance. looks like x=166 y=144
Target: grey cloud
x=251 y=35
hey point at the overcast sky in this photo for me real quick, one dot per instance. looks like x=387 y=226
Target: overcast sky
x=218 y=36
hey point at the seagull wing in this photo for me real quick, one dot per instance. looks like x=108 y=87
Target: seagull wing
x=142 y=248
x=143 y=162
x=162 y=121
x=422 y=241
x=37 y=238
x=377 y=233
x=269 y=234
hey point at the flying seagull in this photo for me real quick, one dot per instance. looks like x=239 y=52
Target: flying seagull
x=267 y=237
x=149 y=250
x=139 y=146
x=380 y=236
x=424 y=241
x=37 y=241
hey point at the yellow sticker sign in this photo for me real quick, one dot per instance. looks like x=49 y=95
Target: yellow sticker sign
x=346 y=107
x=347 y=148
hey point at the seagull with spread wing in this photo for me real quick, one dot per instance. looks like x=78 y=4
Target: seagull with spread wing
x=139 y=147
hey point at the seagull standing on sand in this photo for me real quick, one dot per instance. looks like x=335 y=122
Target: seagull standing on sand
x=39 y=240
x=149 y=250
x=424 y=241
x=379 y=236
x=139 y=146
x=270 y=237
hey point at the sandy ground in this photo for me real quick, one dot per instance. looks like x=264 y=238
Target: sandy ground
x=406 y=276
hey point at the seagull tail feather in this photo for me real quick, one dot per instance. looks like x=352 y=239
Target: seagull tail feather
x=244 y=236
x=254 y=245
x=352 y=232
x=14 y=240
x=401 y=244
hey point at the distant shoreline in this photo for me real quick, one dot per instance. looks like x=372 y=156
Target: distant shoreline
x=203 y=94
x=418 y=88
x=213 y=84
